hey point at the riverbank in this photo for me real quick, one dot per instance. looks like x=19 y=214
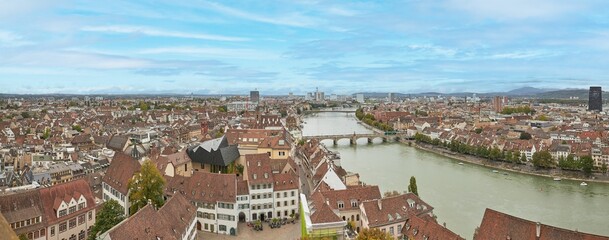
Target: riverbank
x=510 y=167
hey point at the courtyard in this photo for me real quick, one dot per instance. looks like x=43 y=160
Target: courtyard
x=286 y=232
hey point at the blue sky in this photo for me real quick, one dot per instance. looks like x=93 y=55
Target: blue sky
x=342 y=47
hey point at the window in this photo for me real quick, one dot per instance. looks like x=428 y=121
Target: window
x=73 y=237
x=278 y=213
x=72 y=223
x=292 y=193
x=341 y=205
x=63 y=213
x=353 y=203
x=81 y=219
x=90 y=215
x=285 y=212
x=81 y=235
x=391 y=230
x=285 y=203
x=222 y=228
x=206 y=226
x=53 y=231
x=81 y=206
x=72 y=209
x=278 y=204
x=281 y=153
x=357 y=217
x=278 y=195
x=399 y=227
x=62 y=227
x=285 y=194
x=293 y=202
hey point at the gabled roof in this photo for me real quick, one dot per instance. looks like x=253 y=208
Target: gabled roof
x=358 y=194
x=498 y=225
x=122 y=168
x=65 y=192
x=258 y=167
x=394 y=209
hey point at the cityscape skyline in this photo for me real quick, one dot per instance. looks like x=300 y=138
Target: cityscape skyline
x=212 y=48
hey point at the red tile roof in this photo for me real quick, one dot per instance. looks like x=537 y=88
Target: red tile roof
x=417 y=228
x=65 y=192
x=497 y=225
x=205 y=187
x=122 y=168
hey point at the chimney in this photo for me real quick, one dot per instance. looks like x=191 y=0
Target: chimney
x=380 y=204
x=538 y=230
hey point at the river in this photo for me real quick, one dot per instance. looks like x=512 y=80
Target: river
x=461 y=193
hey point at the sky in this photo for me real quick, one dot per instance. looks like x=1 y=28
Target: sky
x=277 y=47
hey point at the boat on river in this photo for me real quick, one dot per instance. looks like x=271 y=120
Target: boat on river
x=583 y=184
x=557 y=179
x=495 y=171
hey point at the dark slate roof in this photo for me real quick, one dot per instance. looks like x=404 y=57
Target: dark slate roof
x=214 y=152
x=117 y=142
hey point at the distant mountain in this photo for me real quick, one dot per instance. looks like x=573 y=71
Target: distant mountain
x=524 y=91
x=519 y=92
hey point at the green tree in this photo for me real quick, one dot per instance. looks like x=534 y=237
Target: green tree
x=46 y=134
x=110 y=214
x=239 y=168
x=525 y=136
x=222 y=109
x=373 y=234
x=77 y=128
x=543 y=159
x=146 y=185
x=478 y=130
x=586 y=164
x=523 y=158
x=23 y=237
x=26 y=115
x=604 y=168
x=412 y=187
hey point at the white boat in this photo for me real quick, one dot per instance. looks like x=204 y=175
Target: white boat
x=495 y=171
x=557 y=179
x=583 y=184
x=460 y=163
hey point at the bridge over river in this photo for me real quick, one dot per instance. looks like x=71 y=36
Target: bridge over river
x=386 y=137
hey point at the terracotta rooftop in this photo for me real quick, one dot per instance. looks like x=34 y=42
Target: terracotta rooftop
x=122 y=168
x=258 y=168
x=394 y=209
x=417 y=228
x=205 y=187
x=65 y=192
x=498 y=225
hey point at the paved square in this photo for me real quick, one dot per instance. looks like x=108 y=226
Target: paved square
x=286 y=232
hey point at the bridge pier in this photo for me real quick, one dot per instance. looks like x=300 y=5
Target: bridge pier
x=335 y=141
x=370 y=140
x=353 y=141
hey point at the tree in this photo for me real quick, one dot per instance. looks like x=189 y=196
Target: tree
x=239 y=168
x=523 y=158
x=111 y=214
x=604 y=168
x=543 y=159
x=26 y=115
x=147 y=185
x=412 y=187
x=222 y=109
x=373 y=234
x=23 y=237
x=77 y=128
x=525 y=136
x=478 y=130
x=586 y=164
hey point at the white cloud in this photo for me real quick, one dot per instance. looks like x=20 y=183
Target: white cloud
x=159 y=32
x=10 y=39
x=239 y=53
x=293 y=20
x=516 y=9
x=73 y=60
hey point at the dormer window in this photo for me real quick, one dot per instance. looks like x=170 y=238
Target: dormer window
x=266 y=175
x=353 y=203
x=255 y=176
x=63 y=213
x=341 y=205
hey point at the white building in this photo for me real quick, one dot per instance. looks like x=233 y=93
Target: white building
x=116 y=179
x=359 y=97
